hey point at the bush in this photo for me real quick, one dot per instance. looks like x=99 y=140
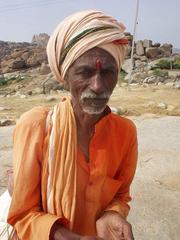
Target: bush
x=2 y=82
x=167 y=64
x=6 y=80
x=176 y=64
x=164 y=64
x=160 y=73
x=122 y=76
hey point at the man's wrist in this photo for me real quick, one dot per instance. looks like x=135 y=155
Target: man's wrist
x=59 y=232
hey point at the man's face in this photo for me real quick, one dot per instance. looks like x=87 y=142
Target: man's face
x=91 y=80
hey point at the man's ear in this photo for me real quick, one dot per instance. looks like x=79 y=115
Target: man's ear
x=66 y=85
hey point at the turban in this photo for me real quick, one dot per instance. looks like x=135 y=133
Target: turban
x=81 y=32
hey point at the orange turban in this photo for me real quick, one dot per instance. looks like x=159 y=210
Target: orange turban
x=80 y=32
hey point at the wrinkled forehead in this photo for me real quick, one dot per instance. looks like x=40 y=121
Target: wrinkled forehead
x=94 y=55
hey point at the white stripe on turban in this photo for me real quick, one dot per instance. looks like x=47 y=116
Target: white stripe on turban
x=89 y=29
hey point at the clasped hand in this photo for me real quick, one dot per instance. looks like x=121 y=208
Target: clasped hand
x=111 y=226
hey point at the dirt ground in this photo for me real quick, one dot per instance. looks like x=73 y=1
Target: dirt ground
x=137 y=101
x=155 y=209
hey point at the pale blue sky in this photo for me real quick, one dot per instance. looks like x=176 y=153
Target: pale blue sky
x=158 y=19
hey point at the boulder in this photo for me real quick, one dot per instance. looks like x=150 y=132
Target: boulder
x=153 y=52
x=40 y=39
x=17 y=64
x=151 y=104
x=129 y=50
x=139 y=64
x=162 y=105
x=156 y=45
x=136 y=57
x=5 y=108
x=151 y=79
x=177 y=85
x=21 y=57
x=147 y=43
x=6 y=122
x=129 y=37
x=50 y=99
x=166 y=49
x=44 y=69
x=143 y=58
x=118 y=110
x=138 y=77
x=170 y=108
x=19 y=86
x=37 y=91
x=127 y=65
x=170 y=84
x=139 y=48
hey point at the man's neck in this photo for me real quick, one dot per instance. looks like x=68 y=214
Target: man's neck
x=85 y=128
x=86 y=122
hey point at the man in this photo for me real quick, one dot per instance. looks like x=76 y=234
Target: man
x=73 y=166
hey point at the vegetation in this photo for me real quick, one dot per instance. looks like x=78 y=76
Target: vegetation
x=176 y=63
x=8 y=79
x=160 y=73
x=167 y=64
x=122 y=76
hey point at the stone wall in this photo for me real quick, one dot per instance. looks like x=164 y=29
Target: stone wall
x=145 y=49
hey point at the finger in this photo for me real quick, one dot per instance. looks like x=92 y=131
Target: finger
x=115 y=233
x=127 y=232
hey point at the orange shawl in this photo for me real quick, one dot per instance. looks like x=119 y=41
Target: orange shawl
x=60 y=170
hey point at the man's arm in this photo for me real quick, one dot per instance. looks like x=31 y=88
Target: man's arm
x=25 y=212
x=113 y=220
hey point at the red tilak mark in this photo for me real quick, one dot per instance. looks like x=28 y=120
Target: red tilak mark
x=98 y=64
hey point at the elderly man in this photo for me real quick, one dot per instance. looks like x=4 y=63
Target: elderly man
x=73 y=166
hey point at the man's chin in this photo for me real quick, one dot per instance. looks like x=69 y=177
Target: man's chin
x=93 y=111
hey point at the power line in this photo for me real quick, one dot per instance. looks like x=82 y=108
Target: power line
x=133 y=41
x=22 y=6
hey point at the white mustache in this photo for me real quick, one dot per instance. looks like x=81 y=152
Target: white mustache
x=90 y=94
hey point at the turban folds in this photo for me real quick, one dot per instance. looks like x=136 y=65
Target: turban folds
x=81 y=32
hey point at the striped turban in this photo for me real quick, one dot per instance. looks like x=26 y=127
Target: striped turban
x=81 y=32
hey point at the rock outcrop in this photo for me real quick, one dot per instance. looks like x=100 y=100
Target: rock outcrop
x=18 y=56
x=41 y=39
x=148 y=49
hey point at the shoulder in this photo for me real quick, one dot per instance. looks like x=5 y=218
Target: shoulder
x=34 y=117
x=122 y=123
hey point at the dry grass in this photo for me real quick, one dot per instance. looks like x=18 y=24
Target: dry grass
x=135 y=101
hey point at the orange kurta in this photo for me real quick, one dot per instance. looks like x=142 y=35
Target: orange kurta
x=102 y=184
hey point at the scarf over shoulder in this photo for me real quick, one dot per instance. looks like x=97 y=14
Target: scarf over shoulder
x=59 y=171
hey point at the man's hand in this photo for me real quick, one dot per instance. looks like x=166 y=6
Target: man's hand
x=111 y=226
x=90 y=238
x=60 y=233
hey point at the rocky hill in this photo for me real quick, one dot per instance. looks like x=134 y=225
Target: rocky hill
x=17 y=56
x=22 y=55
x=24 y=68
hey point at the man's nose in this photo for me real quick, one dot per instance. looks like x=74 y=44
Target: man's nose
x=97 y=84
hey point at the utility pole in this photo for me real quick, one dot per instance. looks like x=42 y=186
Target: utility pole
x=133 y=41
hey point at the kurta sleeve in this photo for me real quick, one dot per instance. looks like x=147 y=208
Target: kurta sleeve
x=125 y=175
x=25 y=213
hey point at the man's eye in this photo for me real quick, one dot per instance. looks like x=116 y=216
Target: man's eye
x=107 y=72
x=86 y=72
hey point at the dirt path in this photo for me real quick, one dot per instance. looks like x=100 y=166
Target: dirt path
x=156 y=189
x=155 y=210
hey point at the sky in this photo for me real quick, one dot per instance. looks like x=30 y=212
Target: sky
x=158 y=20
